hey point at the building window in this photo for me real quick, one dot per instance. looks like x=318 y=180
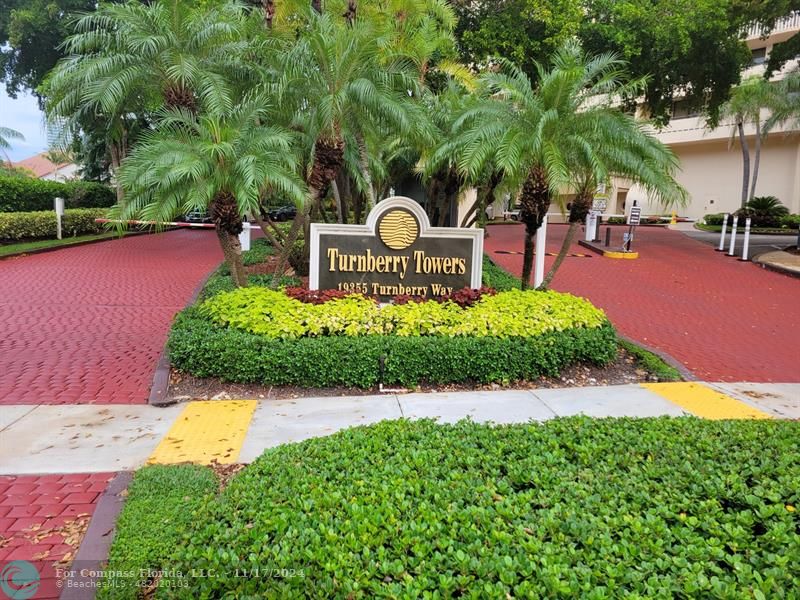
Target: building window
x=759 y=56
x=681 y=109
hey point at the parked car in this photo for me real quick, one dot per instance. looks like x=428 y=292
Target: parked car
x=196 y=216
x=284 y=213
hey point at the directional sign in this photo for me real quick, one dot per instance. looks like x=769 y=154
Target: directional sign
x=635 y=216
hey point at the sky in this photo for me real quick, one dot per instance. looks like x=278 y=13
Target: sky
x=23 y=114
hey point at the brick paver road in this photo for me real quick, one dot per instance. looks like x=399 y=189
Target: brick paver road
x=87 y=324
x=43 y=519
x=725 y=320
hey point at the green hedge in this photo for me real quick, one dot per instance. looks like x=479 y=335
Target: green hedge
x=42 y=224
x=773 y=222
x=24 y=194
x=571 y=508
x=162 y=502
x=199 y=347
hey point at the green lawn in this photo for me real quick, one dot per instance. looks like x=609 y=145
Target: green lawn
x=574 y=507
x=766 y=230
x=18 y=248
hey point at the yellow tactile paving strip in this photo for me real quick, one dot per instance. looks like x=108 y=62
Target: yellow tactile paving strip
x=705 y=402
x=206 y=431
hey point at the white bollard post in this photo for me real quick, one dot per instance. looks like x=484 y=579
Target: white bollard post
x=733 y=235
x=591 y=221
x=244 y=237
x=541 y=239
x=746 y=247
x=722 y=233
x=58 y=205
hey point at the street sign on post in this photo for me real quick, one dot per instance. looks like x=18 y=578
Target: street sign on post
x=635 y=216
x=58 y=205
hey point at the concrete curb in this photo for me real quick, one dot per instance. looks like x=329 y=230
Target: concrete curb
x=773 y=267
x=96 y=544
x=685 y=373
x=160 y=385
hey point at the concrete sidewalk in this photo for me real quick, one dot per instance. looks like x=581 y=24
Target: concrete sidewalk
x=95 y=438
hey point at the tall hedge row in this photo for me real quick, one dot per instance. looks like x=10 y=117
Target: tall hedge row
x=22 y=194
x=42 y=224
x=199 y=347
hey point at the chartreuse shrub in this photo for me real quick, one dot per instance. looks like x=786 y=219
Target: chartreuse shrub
x=42 y=224
x=162 y=502
x=572 y=508
x=508 y=314
x=264 y=336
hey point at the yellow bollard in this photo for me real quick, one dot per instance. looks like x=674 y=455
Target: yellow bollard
x=674 y=218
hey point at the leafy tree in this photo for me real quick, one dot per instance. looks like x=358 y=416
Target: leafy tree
x=522 y=31
x=126 y=61
x=31 y=33
x=223 y=160
x=689 y=49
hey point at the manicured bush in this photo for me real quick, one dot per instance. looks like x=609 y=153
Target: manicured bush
x=18 y=194
x=790 y=221
x=42 y=224
x=714 y=219
x=199 y=347
x=162 y=502
x=508 y=314
x=571 y=508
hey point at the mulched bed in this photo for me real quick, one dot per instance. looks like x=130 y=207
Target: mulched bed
x=183 y=387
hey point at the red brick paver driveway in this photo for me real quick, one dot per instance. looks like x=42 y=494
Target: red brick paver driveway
x=87 y=324
x=725 y=320
x=43 y=519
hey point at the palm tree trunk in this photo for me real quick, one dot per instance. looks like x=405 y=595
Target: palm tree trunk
x=269 y=12
x=756 y=161
x=350 y=13
x=527 y=260
x=232 y=251
x=562 y=254
x=534 y=201
x=363 y=166
x=271 y=237
x=291 y=239
x=224 y=211
x=745 y=162
x=317 y=6
x=577 y=214
x=338 y=198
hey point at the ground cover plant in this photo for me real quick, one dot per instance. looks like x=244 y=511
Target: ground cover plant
x=574 y=507
x=259 y=335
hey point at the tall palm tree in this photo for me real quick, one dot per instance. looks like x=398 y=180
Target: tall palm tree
x=339 y=86
x=7 y=134
x=534 y=134
x=128 y=60
x=223 y=160
x=747 y=106
x=620 y=148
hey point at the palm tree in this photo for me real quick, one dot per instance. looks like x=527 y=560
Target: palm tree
x=7 y=134
x=339 y=86
x=533 y=134
x=126 y=61
x=222 y=160
x=623 y=148
x=747 y=105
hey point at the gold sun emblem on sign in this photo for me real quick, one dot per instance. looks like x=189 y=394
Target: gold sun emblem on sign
x=398 y=229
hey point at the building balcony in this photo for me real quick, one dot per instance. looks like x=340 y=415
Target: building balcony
x=783 y=30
